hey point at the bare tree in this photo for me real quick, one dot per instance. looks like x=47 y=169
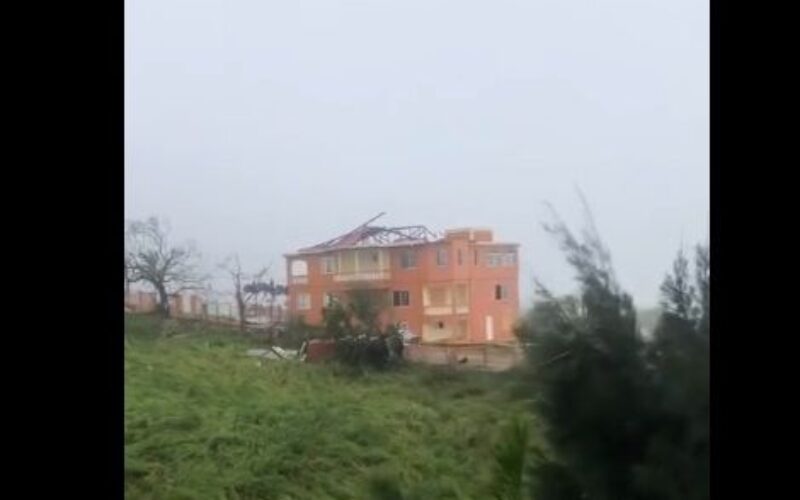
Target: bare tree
x=272 y=291
x=150 y=258
x=243 y=294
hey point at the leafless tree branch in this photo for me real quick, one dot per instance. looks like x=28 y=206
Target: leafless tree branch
x=150 y=258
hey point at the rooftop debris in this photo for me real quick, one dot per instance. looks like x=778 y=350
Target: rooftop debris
x=365 y=236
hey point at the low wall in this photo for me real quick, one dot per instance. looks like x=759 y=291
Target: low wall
x=181 y=306
x=140 y=302
x=495 y=357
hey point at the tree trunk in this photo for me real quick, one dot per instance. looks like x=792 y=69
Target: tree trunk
x=163 y=301
x=242 y=306
x=272 y=309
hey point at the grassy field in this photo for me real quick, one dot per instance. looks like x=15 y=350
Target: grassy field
x=203 y=421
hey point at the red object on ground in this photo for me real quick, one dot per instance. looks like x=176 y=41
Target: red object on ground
x=320 y=350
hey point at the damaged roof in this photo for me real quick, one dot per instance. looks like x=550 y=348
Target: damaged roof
x=368 y=236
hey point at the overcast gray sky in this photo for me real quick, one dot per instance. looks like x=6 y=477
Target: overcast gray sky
x=260 y=127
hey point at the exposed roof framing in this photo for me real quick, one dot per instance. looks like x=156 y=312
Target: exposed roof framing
x=366 y=235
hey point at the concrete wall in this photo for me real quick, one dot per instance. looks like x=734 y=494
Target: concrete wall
x=185 y=305
x=140 y=302
x=495 y=357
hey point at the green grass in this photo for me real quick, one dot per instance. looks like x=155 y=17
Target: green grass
x=203 y=421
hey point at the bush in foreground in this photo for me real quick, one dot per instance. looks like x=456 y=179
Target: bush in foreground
x=624 y=418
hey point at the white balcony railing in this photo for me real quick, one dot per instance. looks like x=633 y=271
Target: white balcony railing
x=362 y=276
x=438 y=310
x=445 y=310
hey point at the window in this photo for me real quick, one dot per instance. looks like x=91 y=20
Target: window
x=299 y=268
x=476 y=257
x=441 y=257
x=458 y=257
x=408 y=259
x=440 y=325
x=509 y=259
x=329 y=265
x=328 y=299
x=497 y=259
x=400 y=298
x=368 y=260
x=347 y=262
x=500 y=292
x=303 y=301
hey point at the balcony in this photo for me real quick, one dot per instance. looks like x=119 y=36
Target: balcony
x=445 y=300
x=379 y=275
x=438 y=310
x=445 y=310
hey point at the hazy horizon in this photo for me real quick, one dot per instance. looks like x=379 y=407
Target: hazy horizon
x=259 y=128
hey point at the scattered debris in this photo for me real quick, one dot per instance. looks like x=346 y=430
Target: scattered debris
x=263 y=353
x=409 y=337
x=278 y=353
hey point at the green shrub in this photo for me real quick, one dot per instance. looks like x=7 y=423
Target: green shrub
x=510 y=461
x=361 y=341
x=625 y=419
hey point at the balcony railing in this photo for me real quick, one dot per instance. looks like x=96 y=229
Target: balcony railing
x=362 y=276
x=445 y=310
x=438 y=310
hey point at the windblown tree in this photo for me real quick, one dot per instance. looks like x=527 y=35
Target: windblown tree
x=366 y=306
x=624 y=419
x=338 y=321
x=354 y=321
x=703 y=288
x=677 y=463
x=244 y=294
x=269 y=290
x=677 y=291
x=357 y=312
x=151 y=258
x=585 y=352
